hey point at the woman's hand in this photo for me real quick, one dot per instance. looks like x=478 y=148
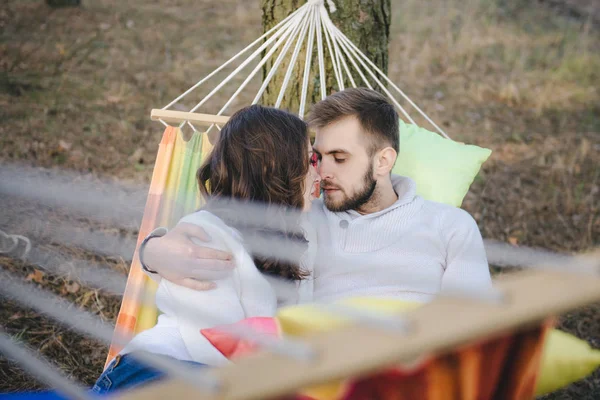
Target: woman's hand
x=178 y=259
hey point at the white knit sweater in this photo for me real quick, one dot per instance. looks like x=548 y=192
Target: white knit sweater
x=410 y=250
x=243 y=294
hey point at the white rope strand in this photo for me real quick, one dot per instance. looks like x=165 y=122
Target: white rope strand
x=279 y=248
x=332 y=56
x=181 y=96
x=307 y=65
x=84 y=322
x=42 y=370
x=285 y=29
x=343 y=47
x=54 y=306
x=92 y=197
x=322 y=77
x=283 y=38
x=94 y=274
x=339 y=56
x=389 y=81
x=51 y=188
x=15 y=240
x=77 y=193
x=192 y=126
x=350 y=52
x=292 y=65
x=281 y=56
x=342 y=60
x=331 y=4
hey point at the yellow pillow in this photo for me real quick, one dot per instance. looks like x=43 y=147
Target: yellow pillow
x=566 y=358
x=309 y=318
x=305 y=319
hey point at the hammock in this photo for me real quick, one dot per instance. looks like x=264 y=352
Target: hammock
x=489 y=352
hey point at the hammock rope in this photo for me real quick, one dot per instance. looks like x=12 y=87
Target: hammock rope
x=333 y=57
x=312 y=20
x=266 y=34
x=284 y=31
x=389 y=81
x=290 y=32
x=570 y=283
x=41 y=368
x=288 y=73
x=322 y=77
x=309 y=47
x=280 y=58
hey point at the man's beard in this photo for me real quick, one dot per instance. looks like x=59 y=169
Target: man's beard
x=359 y=199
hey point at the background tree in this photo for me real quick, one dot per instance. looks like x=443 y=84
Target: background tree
x=365 y=22
x=63 y=3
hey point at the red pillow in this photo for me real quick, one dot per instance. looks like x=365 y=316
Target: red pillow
x=232 y=347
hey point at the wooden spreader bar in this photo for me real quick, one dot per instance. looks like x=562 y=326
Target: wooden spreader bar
x=530 y=297
x=177 y=117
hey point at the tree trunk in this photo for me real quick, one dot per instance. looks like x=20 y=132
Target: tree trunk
x=63 y=3
x=365 y=22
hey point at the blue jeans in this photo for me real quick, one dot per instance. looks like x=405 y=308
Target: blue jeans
x=126 y=372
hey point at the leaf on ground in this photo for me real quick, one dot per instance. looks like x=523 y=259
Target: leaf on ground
x=36 y=276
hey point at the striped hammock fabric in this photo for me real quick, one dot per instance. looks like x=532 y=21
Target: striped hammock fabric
x=173 y=193
x=502 y=368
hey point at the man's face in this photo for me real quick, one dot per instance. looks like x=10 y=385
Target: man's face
x=345 y=167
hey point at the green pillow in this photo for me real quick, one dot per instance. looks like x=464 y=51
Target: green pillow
x=443 y=169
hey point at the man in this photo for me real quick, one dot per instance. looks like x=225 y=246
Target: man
x=375 y=236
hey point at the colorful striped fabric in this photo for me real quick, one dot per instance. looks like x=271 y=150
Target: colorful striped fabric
x=502 y=368
x=173 y=193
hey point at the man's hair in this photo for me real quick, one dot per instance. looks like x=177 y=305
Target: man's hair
x=373 y=111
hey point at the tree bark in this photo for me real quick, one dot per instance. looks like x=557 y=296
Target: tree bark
x=365 y=22
x=63 y=3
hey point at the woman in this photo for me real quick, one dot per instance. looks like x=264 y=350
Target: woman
x=263 y=155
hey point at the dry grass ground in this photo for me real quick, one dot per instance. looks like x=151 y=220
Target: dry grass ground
x=76 y=87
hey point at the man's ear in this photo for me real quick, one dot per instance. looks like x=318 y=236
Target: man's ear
x=384 y=161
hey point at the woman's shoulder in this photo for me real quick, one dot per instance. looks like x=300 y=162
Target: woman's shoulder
x=202 y=216
x=211 y=222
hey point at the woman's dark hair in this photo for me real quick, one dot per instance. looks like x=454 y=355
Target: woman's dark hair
x=261 y=156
